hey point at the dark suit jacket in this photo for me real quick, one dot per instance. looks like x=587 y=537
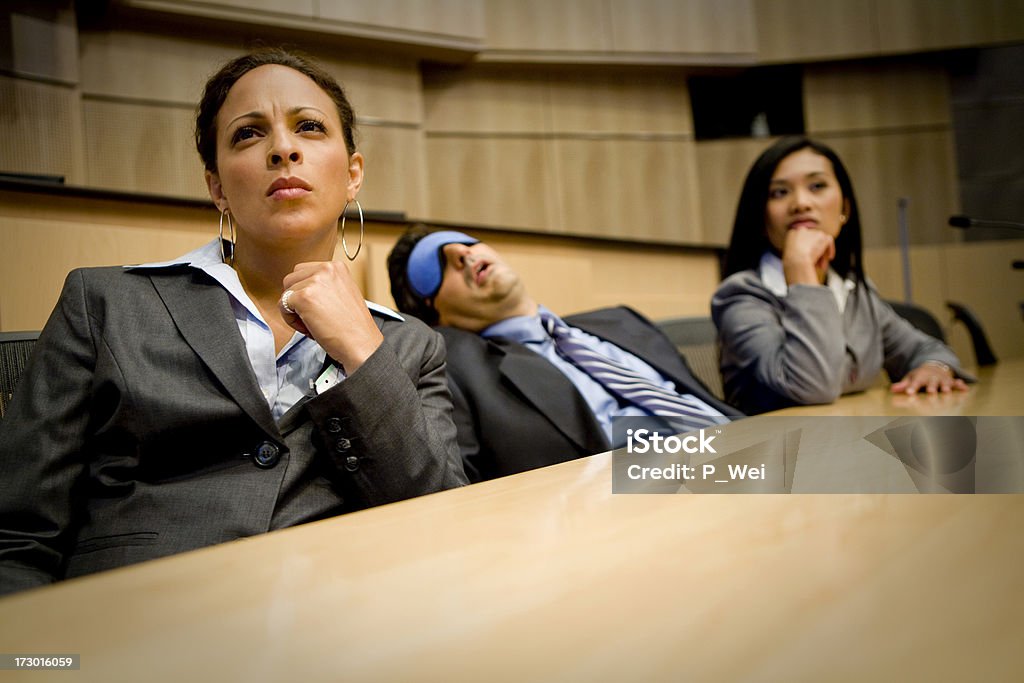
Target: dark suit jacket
x=139 y=430
x=515 y=411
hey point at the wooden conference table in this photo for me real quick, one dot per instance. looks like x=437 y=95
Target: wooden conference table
x=547 y=576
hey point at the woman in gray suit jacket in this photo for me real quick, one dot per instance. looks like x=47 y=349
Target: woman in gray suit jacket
x=797 y=320
x=244 y=387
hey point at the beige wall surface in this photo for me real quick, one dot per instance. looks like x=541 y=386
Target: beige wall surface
x=799 y=30
x=600 y=153
x=565 y=135
x=568 y=275
x=618 y=30
x=628 y=31
x=587 y=150
x=807 y=30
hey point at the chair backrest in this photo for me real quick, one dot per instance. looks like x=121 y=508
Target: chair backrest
x=926 y=322
x=983 y=354
x=15 y=349
x=919 y=318
x=697 y=340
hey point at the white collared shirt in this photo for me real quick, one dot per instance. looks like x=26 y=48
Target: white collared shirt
x=285 y=378
x=774 y=278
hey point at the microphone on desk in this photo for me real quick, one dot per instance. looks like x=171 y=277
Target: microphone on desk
x=965 y=222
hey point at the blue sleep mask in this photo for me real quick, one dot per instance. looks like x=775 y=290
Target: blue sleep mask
x=426 y=263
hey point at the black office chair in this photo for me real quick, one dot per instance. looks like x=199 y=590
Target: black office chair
x=920 y=318
x=15 y=349
x=983 y=353
x=697 y=340
x=926 y=322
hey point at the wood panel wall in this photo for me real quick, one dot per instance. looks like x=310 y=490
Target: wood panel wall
x=443 y=28
x=893 y=129
x=622 y=31
x=602 y=151
x=541 y=150
x=547 y=127
x=807 y=30
x=567 y=274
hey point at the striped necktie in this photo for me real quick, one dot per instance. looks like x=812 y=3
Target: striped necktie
x=626 y=384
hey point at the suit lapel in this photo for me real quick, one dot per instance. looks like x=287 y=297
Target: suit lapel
x=552 y=394
x=647 y=343
x=201 y=310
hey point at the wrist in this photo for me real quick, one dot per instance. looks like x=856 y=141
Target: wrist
x=939 y=364
x=800 y=273
x=358 y=353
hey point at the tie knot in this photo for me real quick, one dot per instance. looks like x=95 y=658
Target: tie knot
x=552 y=325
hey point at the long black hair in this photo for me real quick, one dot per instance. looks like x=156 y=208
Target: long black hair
x=749 y=232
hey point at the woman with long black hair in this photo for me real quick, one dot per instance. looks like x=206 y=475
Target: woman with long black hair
x=798 y=321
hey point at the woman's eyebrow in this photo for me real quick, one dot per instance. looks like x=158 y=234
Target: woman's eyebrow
x=786 y=181
x=261 y=115
x=249 y=115
x=297 y=110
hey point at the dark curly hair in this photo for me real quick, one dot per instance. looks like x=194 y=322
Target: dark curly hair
x=217 y=88
x=398 y=260
x=749 y=234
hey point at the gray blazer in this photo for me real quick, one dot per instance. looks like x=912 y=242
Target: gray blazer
x=139 y=430
x=799 y=349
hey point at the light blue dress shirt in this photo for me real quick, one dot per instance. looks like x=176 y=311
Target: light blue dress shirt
x=529 y=331
x=285 y=378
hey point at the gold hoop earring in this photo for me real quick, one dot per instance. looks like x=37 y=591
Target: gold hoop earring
x=352 y=257
x=224 y=256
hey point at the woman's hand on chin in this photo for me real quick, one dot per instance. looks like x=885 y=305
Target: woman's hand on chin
x=806 y=255
x=327 y=305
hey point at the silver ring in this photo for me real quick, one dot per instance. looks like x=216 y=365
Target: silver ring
x=284 y=301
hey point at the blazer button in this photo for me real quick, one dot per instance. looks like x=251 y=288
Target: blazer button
x=267 y=455
x=334 y=425
x=342 y=445
x=351 y=463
